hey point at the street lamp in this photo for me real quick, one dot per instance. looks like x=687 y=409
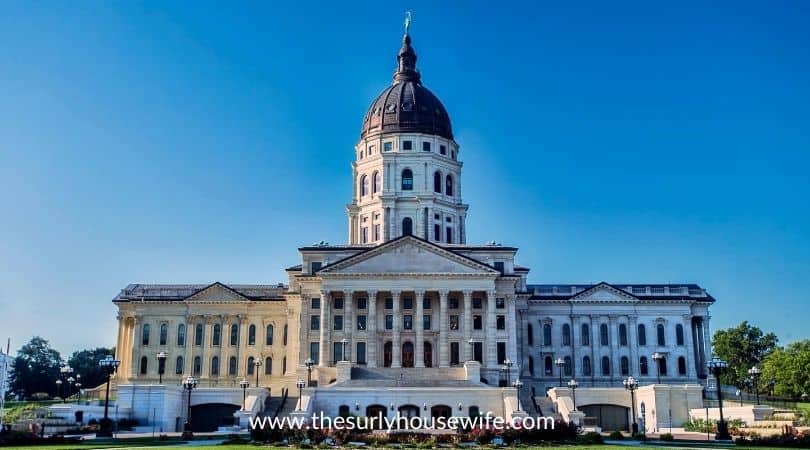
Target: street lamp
x=68 y=387
x=717 y=366
x=657 y=357
x=518 y=384
x=507 y=367
x=188 y=384
x=559 y=362
x=309 y=363
x=78 y=392
x=161 y=357
x=108 y=365
x=256 y=364
x=59 y=390
x=65 y=371
x=755 y=372
x=631 y=384
x=300 y=385
x=739 y=395
x=244 y=385
x=573 y=385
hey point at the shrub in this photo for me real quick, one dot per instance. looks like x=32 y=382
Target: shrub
x=590 y=438
x=616 y=435
x=666 y=437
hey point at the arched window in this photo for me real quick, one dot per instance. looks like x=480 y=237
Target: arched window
x=605 y=365
x=449 y=185
x=567 y=366
x=164 y=333
x=407 y=180
x=197 y=366
x=363 y=186
x=643 y=368
x=215 y=366
x=531 y=366
x=625 y=365
x=603 y=334
x=546 y=334
x=642 y=334
x=268 y=335
x=586 y=334
x=547 y=365
x=586 y=366
x=198 y=335
x=234 y=334
x=663 y=365
x=284 y=365
x=437 y=182
x=232 y=365
x=181 y=335
x=144 y=364
x=407 y=226
x=566 y=337
x=252 y=335
x=681 y=365
x=178 y=365
x=284 y=336
x=343 y=411
x=145 y=334
x=530 y=334
x=662 y=340
x=268 y=366
x=217 y=338
x=376 y=183
x=622 y=334
x=679 y=334
x=250 y=366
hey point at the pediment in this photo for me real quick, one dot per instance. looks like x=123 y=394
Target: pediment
x=408 y=255
x=604 y=292
x=216 y=292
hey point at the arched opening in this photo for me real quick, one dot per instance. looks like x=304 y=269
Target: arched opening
x=642 y=334
x=164 y=333
x=408 y=411
x=145 y=334
x=387 y=354
x=210 y=416
x=215 y=366
x=643 y=367
x=531 y=366
x=586 y=366
x=252 y=335
x=407 y=354
x=216 y=339
x=268 y=365
x=363 y=186
x=437 y=411
x=178 y=366
x=376 y=413
x=343 y=411
x=428 y=351
x=437 y=182
x=625 y=366
x=681 y=365
x=407 y=180
x=376 y=183
x=268 y=335
x=407 y=226
x=449 y=185
x=234 y=335
x=605 y=365
x=662 y=340
x=232 y=364
x=144 y=364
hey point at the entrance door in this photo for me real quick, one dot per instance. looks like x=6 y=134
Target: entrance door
x=428 y=354
x=407 y=354
x=208 y=417
x=387 y=353
x=440 y=411
x=608 y=417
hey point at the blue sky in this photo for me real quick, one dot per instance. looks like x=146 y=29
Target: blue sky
x=196 y=141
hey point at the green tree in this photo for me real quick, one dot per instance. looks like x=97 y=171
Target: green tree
x=743 y=347
x=790 y=368
x=35 y=368
x=85 y=363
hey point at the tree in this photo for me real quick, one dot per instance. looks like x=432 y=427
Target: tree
x=743 y=347
x=35 y=368
x=85 y=363
x=790 y=368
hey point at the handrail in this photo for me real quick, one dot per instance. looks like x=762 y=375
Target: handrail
x=284 y=392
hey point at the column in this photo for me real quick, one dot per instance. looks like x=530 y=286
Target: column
x=576 y=342
x=613 y=336
x=348 y=331
x=396 y=342
x=511 y=329
x=419 y=352
x=324 y=350
x=188 y=357
x=632 y=341
x=241 y=358
x=491 y=356
x=707 y=339
x=467 y=326
x=444 y=350
x=690 y=350
x=371 y=327
x=525 y=348
x=137 y=326
x=208 y=340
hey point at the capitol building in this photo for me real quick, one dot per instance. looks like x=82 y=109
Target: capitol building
x=408 y=316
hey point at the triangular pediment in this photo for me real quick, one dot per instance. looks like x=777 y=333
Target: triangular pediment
x=216 y=292
x=604 y=292
x=408 y=255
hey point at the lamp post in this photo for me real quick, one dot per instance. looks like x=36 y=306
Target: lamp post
x=78 y=392
x=188 y=384
x=507 y=367
x=59 y=390
x=518 y=384
x=300 y=385
x=309 y=363
x=717 y=366
x=657 y=357
x=739 y=395
x=65 y=371
x=108 y=365
x=559 y=362
x=755 y=372
x=256 y=364
x=68 y=387
x=244 y=385
x=631 y=384
x=573 y=385
x=161 y=357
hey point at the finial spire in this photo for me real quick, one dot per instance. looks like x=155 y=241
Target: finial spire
x=407 y=21
x=406 y=69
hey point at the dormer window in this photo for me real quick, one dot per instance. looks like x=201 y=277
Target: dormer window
x=407 y=145
x=443 y=149
x=425 y=146
x=388 y=146
x=315 y=266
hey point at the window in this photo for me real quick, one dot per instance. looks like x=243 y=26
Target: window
x=234 y=334
x=407 y=180
x=338 y=323
x=315 y=323
x=284 y=335
x=662 y=363
x=387 y=146
x=425 y=303
x=643 y=367
x=197 y=366
x=478 y=352
x=477 y=302
x=454 y=354
x=547 y=365
x=337 y=352
x=178 y=365
x=567 y=366
x=642 y=334
x=371 y=149
x=623 y=335
x=662 y=341
x=425 y=146
x=681 y=365
x=361 y=322
x=364 y=235
x=389 y=303
x=407 y=322
x=407 y=145
x=216 y=339
x=605 y=365
x=315 y=303
x=426 y=319
x=443 y=149
x=453 y=154
x=215 y=366
x=181 y=335
x=531 y=366
x=361 y=353
x=530 y=334
x=498 y=266
x=448 y=185
x=283 y=365
x=198 y=335
x=315 y=266
x=232 y=363
x=407 y=226
x=586 y=334
x=251 y=367
x=477 y=323
x=453 y=303
x=546 y=334
x=376 y=183
x=454 y=322
x=566 y=334
x=625 y=366
x=338 y=303
x=603 y=335
x=362 y=303
x=252 y=335
x=679 y=334
x=164 y=333
x=500 y=322
x=389 y=322
x=449 y=235
x=363 y=186
x=407 y=303
x=268 y=335
x=144 y=364
x=268 y=365
x=586 y=366
x=376 y=232
x=437 y=182
x=145 y=334
x=314 y=351
x=500 y=303
x=500 y=350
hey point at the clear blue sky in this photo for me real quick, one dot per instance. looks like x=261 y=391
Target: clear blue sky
x=193 y=141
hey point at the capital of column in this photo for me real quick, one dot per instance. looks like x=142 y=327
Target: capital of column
x=347 y=294
x=467 y=294
x=395 y=294
x=443 y=294
x=243 y=319
x=419 y=294
x=372 y=294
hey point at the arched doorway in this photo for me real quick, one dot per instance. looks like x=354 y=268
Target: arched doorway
x=375 y=413
x=409 y=411
x=608 y=417
x=407 y=226
x=437 y=411
x=208 y=417
x=428 y=354
x=387 y=354
x=407 y=354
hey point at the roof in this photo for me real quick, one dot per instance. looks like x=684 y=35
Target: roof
x=180 y=292
x=643 y=291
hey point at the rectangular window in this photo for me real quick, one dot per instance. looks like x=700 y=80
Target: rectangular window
x=315 y=303
x=425 y=303
x=407 y=303
x=426 y=322
x=361 y=353
x=500 y=303
x=338 y=323
x=338 y=303
x=476 y=303
x=477 y=323
x=425 y=146
x=314 y=351
x=371 y=149
x=389 y=303
x=454 y=354
x=454 y=322
x=389 y=322
x=361 y=322
x=501 y=352
x=449 y=235
x=407 y=145
x=453 y=303
x=478 y=352
x=387 y=146
x=498 y=266
x=315 y=266
x=365 y=235
x=407 y=322
x=337 y=352
x=362 y=303
x=443 y=149
x=437 y=232
x=500 y=322
x=315 y=323
x=376 y=232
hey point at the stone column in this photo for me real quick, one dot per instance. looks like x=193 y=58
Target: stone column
x=208 y=340
x=242 y=349
x=511 y=329
x=444 y=350
x=188 y=354
x=137 y=327
x=632 y=342
x=324 y=346
x=492 y=354
x=613 y=336
x=371 y=327
x=707 y=339
x=348 y=331
x=419 y=352
x=690 y=351
x=525 y=348
x=467 y=327
x=396 y=342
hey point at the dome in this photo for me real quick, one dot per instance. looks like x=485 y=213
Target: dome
x=406 y=105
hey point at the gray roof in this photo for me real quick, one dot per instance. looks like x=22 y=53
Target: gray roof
x=644 y=291
x=177 y=292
